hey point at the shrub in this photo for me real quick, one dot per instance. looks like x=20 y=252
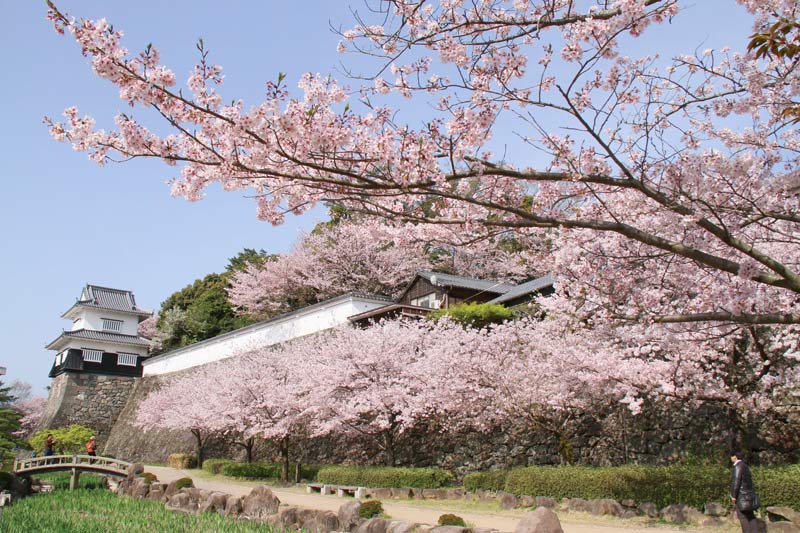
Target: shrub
x=419 y=478
x=5 y=480
x=251 y=470
x=490 y=480
x=778 y=486
x=70 y=439
x=474 y=314
x=370 y=509
x=690 y=485
x=451 y=520
x=181 y=460
x=213 y=466
x=184 y=482
x=149 y=477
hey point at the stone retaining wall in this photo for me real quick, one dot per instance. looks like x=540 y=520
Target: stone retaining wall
x=91 y=400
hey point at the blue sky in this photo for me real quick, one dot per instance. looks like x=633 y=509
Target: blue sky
x=66 y=222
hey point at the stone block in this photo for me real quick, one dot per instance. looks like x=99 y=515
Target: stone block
x=373 y=525
x=348 y=515
x=260 y=503
x=542 y=520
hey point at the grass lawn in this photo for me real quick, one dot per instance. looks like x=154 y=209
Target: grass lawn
x=94 y=509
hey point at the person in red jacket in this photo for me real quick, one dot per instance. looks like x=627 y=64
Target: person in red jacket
x=91 y=447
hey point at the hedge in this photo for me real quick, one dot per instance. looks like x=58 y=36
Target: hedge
x=213 y=466
x=691 y=485
x=489 y=480
x=251 y=470
x=419 y=478
x=261 y=470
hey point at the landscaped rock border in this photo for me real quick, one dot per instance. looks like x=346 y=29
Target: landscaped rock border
x=262 y=505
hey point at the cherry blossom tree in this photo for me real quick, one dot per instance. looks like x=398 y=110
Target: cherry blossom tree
x=182 y=403
x=655 y=154
x=665 y=188
x=32 y=410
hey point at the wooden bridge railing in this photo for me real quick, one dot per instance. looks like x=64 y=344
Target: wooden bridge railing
x=74 y=463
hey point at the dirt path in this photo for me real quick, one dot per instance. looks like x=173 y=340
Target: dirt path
x=406 y=510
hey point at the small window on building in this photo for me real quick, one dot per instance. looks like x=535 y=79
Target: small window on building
x=92 y=356
x=111 y=324
x=126 y=359
x=429 y=300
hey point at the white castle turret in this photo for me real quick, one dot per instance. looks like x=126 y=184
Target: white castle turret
x=97 y=360
x=103 y=338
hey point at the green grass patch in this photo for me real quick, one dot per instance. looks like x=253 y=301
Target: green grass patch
x=96 y=510
x=60 y=481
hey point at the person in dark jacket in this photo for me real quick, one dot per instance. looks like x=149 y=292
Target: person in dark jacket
x=743 y=494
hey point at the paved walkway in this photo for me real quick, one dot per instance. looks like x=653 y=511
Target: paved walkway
x=406 y=510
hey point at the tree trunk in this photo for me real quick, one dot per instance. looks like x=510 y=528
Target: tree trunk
x=248 y=447
x=200 y=447
x=297 y=468
x=388 y=448
x=284 y=447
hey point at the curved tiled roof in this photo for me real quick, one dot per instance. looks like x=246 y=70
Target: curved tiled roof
x=111 y=299
x=103 y=336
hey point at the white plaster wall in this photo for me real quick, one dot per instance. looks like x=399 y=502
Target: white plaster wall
x=93 y=319
x=306 y=321
x=104 y=346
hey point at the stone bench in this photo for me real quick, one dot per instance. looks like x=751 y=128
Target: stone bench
x=341 y=490
x=321 y=488
x=356 y=492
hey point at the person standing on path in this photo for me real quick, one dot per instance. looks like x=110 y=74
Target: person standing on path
x=91 y=447
x=743 y=494
x=49 y=446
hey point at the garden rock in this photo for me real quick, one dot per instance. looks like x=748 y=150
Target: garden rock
x=448 y=529
x=172 y=489
x=782 y=527
x=544 y=501
x=135 y=470
x=483 y=530
x=260 y=503
x=542 y=520
x=649 y=510
x=715 y=509
x=317 y=521
x=140 y=489
x=402 y=493
x=373 y=525
x=605 y=507
x=783 y=514
x=380 y=494
x=630 y=504
x=508 y=501
x=575 y=504
x=348 y=515
x=455 y=494
x=287 y=518
x=434 y=494
x=527 y=501
x=396 y=526
x=182 y=502
x=215 y=503
x=233 y=506
x=680 y=514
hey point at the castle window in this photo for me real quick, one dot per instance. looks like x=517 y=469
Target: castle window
x=92 y=356
x=126 y=359
x=111 y=325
